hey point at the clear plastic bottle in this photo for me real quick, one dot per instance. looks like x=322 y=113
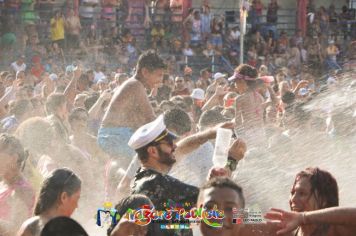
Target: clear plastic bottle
x=222 y=144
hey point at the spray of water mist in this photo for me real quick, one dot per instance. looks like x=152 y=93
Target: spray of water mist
x=267 y=175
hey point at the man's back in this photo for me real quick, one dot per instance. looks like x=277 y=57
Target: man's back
x=129 y=106
x=161 y=188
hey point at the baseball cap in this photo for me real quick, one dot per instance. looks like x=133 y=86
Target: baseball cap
x=198 y=94
x=219 y=75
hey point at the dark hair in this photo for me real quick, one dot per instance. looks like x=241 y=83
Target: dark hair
x=75 y=114
x=61 y=180
x=249 y=71
x=142 y=153
x=11 y=145
x=54 y=101
x=90 y=101
x=20 y=108
x=288 y=97
x=131 y=202
x=178 y=121
x=151 y=61
x=204 y=71
x=210 y=118
x=224 y=182
x=323 y=186
x=63 y=226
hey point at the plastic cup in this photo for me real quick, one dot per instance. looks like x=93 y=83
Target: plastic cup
x=222 y=145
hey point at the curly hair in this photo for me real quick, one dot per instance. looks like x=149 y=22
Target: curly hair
x=323 y=186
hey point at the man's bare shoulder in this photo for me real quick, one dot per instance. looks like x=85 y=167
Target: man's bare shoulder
x=131 y=84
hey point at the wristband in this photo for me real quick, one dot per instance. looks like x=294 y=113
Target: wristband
x=231 y=164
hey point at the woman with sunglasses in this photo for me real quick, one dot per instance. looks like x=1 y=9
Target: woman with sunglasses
x=314 y=204
x=59 y=196
x=16 y=194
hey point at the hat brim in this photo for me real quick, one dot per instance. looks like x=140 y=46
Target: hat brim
x=172 y=136
x=231 y=79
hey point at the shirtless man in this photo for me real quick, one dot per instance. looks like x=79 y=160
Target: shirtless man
x=130 y=108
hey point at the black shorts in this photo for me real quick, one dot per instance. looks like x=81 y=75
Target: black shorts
x=72 y=41
x=60 y=43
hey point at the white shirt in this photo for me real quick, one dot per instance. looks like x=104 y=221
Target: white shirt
x=17 y=67
x=98 y=76
x=235 y=35
x=188 y=52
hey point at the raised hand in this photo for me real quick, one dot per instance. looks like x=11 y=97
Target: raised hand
x=287 y=221
x=237 y=149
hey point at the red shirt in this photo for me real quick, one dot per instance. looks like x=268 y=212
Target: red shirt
x=37 y=71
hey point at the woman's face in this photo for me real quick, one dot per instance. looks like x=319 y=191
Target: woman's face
x=240 y=85
x=301 y=198
x=70 y=203
x=7 y=162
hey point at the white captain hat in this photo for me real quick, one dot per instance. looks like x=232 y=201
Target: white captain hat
x=154 y=131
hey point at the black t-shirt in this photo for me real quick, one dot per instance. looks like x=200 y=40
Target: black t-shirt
x=161 y=189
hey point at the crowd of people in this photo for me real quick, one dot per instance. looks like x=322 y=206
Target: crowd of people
x=113 y=34
x=77 y=130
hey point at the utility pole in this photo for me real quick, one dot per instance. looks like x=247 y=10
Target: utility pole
x=244 y=8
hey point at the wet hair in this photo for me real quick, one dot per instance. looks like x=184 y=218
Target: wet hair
x=166 y=103
x=288 y=97
x=188 y=100
x=210 y=118
x=181 y=105
x=54 y=101
x=323 y=186
x=20 y=108
x=36 y=134
x=61 y=180
x=224 y=182
x=249 y=71
x=133 y=201
x=177 y=99
x=177 y=121
x=60 y=226
x=75 y=114
x=151 y=61
x=11 y=145
x=90 y=101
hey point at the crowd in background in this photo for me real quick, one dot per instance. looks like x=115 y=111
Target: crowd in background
x=64 y=77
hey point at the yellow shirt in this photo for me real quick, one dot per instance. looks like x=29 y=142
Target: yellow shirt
x=57 y=29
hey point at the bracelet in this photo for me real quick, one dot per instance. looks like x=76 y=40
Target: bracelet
x=231 y=164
